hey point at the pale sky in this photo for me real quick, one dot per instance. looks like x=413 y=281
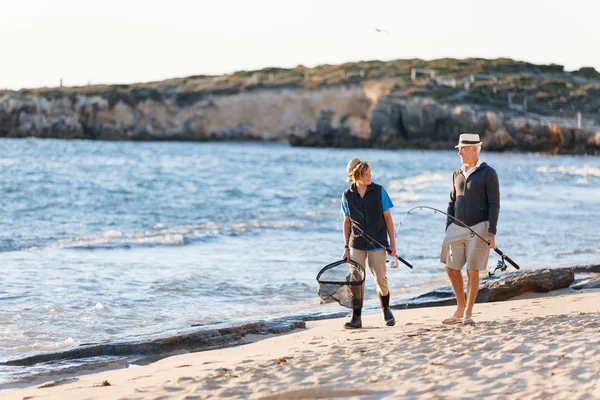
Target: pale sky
x=126 y=41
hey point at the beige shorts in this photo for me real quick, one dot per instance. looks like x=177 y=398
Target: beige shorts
x=461 y=247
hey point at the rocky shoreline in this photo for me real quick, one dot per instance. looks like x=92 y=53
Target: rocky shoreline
x=514 y=106
x=207 y=338
x=427 y=124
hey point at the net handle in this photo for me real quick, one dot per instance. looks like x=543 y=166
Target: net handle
x=340 y=262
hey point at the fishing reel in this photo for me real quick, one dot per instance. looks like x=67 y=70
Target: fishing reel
x=501 y=265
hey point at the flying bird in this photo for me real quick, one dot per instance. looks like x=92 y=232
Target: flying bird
x=380 y=30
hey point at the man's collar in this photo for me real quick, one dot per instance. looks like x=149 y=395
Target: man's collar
x=464 y=168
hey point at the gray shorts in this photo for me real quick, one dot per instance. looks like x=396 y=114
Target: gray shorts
x=461 y=247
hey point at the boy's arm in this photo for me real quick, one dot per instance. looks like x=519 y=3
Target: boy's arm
x=346 y=253
x=389 y=224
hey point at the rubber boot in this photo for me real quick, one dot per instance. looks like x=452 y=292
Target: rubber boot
x=388 y=317
x=355 y=322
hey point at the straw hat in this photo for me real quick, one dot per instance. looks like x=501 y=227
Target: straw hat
x=468 y=139
x=354 y=164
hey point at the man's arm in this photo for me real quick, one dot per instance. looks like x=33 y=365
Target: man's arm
x=450 y=209
x=389 y=224
x=492 y=188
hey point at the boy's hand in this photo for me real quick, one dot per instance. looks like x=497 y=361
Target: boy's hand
x=346 y=255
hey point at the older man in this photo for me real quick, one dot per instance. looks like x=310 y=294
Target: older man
x=474 y=200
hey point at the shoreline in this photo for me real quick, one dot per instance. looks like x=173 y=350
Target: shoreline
x=519 y=336
x=212 y=336
x=292 y=142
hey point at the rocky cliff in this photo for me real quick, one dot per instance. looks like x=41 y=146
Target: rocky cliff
x=269 y=114
x=398 y=122
x=513 y=106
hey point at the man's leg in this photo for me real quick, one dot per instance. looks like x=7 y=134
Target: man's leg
x=472 y=289
x=456 y=280
x=478 y=255
x=456 y=258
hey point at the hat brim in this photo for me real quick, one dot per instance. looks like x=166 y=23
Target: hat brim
x=350 y=171
x=467 y=145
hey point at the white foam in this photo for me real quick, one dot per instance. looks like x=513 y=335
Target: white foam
x=53 y=308
x=98 y=306
x=584 y=171
x=417 y=182
x=174 y=236
x=112 y=233
x=44 y=346
x=168 y=240
x=406 y=191
x=113 y=239
x=404 y=197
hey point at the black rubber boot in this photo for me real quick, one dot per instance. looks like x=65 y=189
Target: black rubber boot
x=355 y=322
x=388 y=317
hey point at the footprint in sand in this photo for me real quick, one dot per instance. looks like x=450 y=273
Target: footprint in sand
x=173 y=388
x=314 y=393
x=144 y=389
x=140 y=377
x=57 y=382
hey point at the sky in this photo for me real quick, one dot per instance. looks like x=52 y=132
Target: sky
x=124 y=41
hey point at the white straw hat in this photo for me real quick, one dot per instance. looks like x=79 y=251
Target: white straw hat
x=468 y=139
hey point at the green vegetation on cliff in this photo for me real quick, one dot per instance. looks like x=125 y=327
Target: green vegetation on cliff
x=542 y=89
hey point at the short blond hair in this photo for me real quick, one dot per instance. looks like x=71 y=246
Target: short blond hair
x=357 y=169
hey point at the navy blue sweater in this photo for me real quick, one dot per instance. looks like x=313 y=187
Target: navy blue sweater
x=476 y=199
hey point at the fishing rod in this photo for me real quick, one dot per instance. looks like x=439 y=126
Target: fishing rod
x=356 y=227
x=501 y=264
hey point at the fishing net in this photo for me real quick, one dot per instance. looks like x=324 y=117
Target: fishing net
x=342 y=282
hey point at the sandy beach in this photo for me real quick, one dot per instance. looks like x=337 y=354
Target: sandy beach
x=533 y=347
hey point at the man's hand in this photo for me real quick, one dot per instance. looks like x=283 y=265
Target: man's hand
x=393 y=253
x=346 y=255
x=492 y=240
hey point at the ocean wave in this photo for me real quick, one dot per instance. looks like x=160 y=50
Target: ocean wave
x=161 y=236
x=585 y=171
x=578 y=252
x=405 y=191
x=44 y=346
x=113 y=239
x=54 y=308
x=417 y=182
